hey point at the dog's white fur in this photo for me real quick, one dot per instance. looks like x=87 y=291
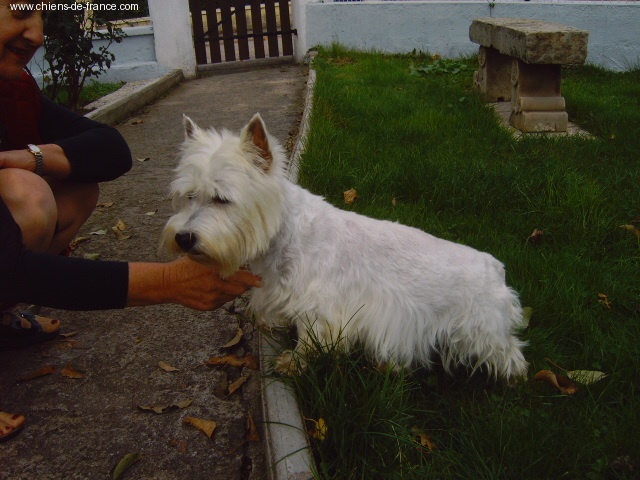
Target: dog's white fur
x=405 y=294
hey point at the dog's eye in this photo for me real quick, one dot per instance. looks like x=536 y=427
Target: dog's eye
x=220 y=201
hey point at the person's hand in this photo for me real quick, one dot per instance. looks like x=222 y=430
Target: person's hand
x=186 y=282
x=200 y=287
x=22 y=159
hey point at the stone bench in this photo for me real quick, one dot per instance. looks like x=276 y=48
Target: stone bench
x=521 y=60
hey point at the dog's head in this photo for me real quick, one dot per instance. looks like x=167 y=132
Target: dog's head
x=227 y=195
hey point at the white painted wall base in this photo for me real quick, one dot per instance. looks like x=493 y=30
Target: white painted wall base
x=443 y=27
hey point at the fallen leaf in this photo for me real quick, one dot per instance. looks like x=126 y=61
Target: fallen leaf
x=536 y=237
x=162 y=408
x=69 y=335
x=167 y=368
x=252 y=431
x=118 y=230
x=603 y=299
x=249 y=361
x=631 y=228
x=319 y=432
x=423 y=439
x=91 y=256
x=237 y=384
x=67 y=345
x=586 y=377
x=70 y=372
x=394 y=201
x=206 y=426
x=182 y=445
x=152 y=213
x=73 y=244
x=102 y=231
x=136 y=121
x=350 y=196
x=562 y=383
x=46 y=370
x=143 y=159
x=125 y=463
x=235 y=340
x=105 y=205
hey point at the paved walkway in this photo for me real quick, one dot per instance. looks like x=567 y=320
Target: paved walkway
x=79 y=428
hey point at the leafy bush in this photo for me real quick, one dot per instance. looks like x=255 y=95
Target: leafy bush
x=69 y=52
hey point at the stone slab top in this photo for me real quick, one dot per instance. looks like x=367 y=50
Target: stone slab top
x=532 y=41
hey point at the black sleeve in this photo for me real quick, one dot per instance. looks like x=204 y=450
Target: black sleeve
x=55 y=281
x=97 y=152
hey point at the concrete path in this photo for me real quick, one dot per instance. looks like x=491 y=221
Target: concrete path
x=79 y=428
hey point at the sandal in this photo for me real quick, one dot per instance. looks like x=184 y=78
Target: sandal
x=15 y=334
x=10 y=425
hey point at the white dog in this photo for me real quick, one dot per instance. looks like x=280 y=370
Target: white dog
x=405 y=294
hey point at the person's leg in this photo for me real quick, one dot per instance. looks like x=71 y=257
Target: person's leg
x=49 y=212
x=75 y=202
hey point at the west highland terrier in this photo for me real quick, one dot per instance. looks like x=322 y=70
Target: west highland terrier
x=405 y=294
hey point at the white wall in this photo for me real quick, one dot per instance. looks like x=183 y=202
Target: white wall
x=135 y=58
x=443 y=28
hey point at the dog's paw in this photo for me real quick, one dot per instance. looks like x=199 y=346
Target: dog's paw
x=289 y=363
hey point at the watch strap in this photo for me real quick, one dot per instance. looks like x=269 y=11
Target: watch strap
x=35 y=150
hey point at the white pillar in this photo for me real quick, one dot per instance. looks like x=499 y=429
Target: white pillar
x=299 y=14
x=173 y=35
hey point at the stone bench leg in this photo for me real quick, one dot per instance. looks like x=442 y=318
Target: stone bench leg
x=492 y=77
x=536 y=102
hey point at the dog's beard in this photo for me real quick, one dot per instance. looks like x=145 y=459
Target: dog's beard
x=228 y=239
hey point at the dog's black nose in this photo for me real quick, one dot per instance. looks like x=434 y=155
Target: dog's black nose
x=186 y=240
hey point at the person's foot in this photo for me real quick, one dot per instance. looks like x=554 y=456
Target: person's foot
x=10 y=425
x=19 y=329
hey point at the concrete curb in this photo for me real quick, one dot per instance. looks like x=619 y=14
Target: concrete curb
x=287 y=445
x=116 y=111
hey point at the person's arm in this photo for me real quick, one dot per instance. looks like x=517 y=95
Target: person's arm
x=186 y=282
x=74 y=148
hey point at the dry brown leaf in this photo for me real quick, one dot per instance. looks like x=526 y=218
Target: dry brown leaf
x=105 y=205
x=143 y=159
x=603 y=299
x=631 y=228
x=536 y=237
x=91 y=256
x=167 y=368
x=319 y=432
x=102 y=231
x=67 y=345
x=423 y=439
x=182 y=445
x=237 y=384
x=235 y=340
x=350 y=196
x=70 y=334
x=252 y=431
x=562 y=383
x=70 y=372
x=206 y=426
x=46 y=370
x=249 y=361
x=162 y=408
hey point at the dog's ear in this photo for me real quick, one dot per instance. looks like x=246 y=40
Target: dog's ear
x=190 y=127
x=256 y=133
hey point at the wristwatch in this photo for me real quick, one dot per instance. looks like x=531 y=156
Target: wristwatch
x=39 y=158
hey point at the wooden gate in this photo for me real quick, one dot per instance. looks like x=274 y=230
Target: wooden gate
x=244 y=29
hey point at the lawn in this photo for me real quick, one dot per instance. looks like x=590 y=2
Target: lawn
x=422 y=148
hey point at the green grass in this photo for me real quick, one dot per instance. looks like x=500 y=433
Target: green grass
x=91 y=92
x=423 y=149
